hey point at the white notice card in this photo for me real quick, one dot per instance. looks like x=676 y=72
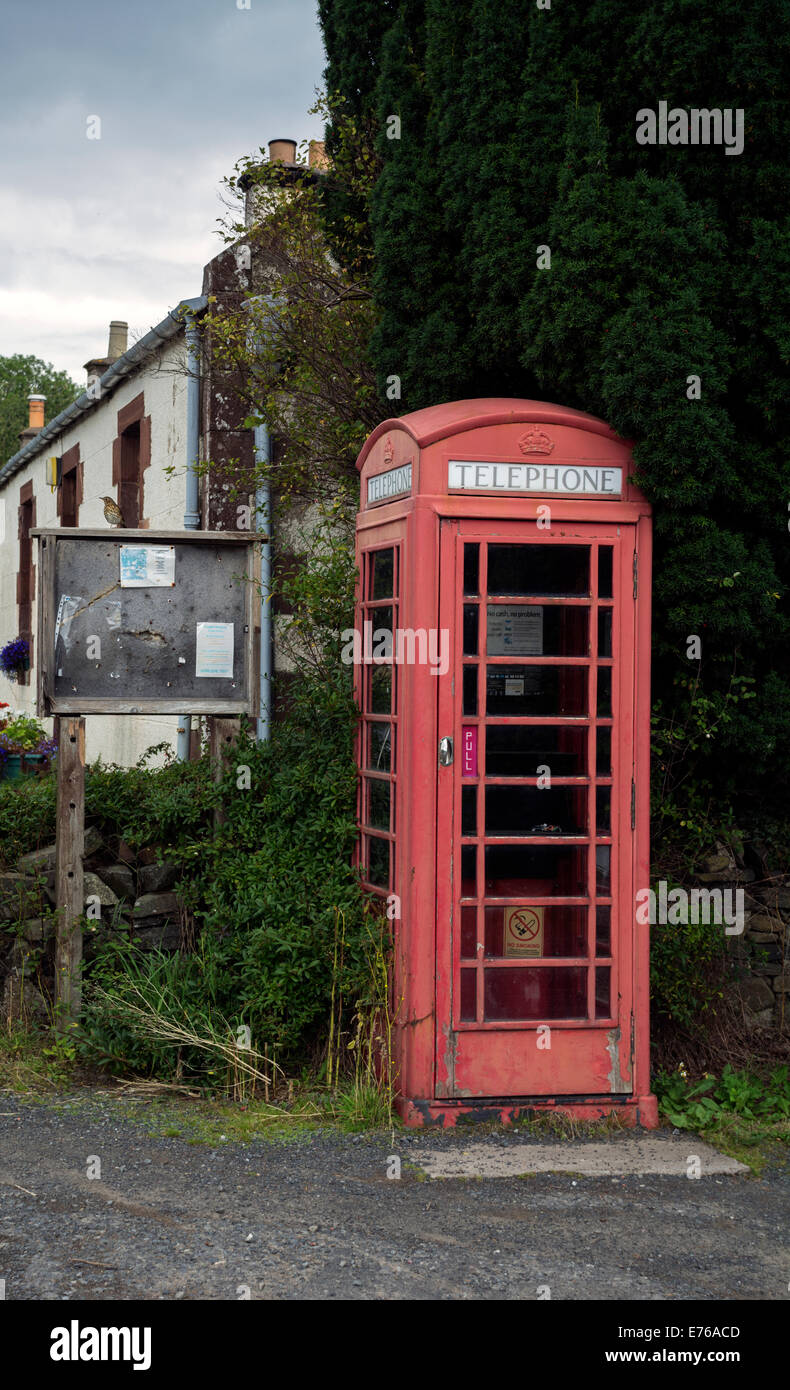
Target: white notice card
x=148 y=566
x=214 y=649
x=515 y=630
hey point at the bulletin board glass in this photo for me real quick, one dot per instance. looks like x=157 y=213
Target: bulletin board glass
x=145 y=622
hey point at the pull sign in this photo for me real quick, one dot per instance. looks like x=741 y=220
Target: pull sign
x=445 y=752
x=469 y=751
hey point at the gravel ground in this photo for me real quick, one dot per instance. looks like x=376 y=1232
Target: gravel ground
x=318 y=1218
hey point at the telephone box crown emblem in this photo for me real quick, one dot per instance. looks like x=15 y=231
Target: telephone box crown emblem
x=534 y=441
x=389 y=450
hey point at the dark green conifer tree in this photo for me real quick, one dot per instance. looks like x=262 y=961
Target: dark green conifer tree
x=668 y=263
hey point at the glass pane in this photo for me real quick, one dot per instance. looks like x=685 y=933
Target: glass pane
x=378 y=804
x=468 y=996
x=469 y=811
x=526 y=629
x=605 y=571
x=603 y=875
x=382 y=574
x=538 y=569
x=603 y=810
x=518 y=750
x=470 y=690
x=604 y=632
x=471 y=568
x=380 y=689
x=377 y=636
x=469 y=871
x=536 y=690
x=603 y=931
x=521 y=993
x=470 y=629
x=602 y=1004
x=536 y=810
x=379 y=747
x=536 y=871
x=604 y=692
x=378 y=862
x=468 y=933
x=603 y=756
x=535 y=931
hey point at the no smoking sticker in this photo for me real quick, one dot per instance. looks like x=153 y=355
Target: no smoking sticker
x=524 y=931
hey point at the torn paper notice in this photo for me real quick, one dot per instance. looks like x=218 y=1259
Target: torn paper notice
x=67 y=608
x=147 y=566
x=214 y=649
x=112 y=613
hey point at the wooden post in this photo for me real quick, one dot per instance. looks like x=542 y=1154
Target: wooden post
x=221 y=734
x=69 y=843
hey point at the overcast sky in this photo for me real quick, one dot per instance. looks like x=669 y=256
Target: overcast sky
x=120 y=227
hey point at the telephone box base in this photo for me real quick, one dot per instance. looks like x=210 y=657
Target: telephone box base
x=445 y=1114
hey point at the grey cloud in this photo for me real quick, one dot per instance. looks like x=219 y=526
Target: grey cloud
x=183 y=89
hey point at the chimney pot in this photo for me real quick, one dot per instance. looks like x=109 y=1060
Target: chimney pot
x=35 y=406
x=317 y=157
x=282 y=151
x=119 y=333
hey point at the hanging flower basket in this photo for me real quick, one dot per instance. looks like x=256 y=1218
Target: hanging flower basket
x=15 y=658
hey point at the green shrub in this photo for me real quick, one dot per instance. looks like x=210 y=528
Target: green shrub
x=27 y=817
x=684 y=979
x=700 y=1104
x=281 y=926
x=267 y=890
x=151 y=806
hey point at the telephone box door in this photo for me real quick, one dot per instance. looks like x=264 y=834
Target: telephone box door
x=535 y=859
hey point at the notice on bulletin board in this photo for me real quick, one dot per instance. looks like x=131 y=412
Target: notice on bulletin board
x=515 y=629
x=524 y=931
x=214 y=649
x=148 y=566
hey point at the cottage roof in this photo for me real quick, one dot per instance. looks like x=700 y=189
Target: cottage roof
x=171 y=324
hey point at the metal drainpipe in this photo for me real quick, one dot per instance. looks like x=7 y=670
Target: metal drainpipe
x=192 y=502
x=264 y=524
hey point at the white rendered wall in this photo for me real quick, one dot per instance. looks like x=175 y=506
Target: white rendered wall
x=162 y=378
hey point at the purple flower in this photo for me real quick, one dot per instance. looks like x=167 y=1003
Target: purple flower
x=14 y=656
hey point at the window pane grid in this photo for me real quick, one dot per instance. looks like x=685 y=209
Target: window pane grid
x=379 y=697
x=587 y=991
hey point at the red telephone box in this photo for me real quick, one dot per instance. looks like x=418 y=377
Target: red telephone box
x=503 y=665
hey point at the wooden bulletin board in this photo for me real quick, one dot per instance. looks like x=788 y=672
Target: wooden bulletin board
x=147 y=622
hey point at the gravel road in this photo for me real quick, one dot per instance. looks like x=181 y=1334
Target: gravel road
x=318 y=1218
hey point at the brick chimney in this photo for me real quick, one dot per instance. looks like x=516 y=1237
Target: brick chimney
x=35 y=419
x=116 y=347
x=259 y=202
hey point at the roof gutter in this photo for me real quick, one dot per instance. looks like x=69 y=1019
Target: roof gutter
x=172 y=324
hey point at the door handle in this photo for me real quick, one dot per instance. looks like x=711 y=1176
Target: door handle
x=445 y=752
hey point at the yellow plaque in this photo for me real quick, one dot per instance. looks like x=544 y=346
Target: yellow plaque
x=524 y=931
